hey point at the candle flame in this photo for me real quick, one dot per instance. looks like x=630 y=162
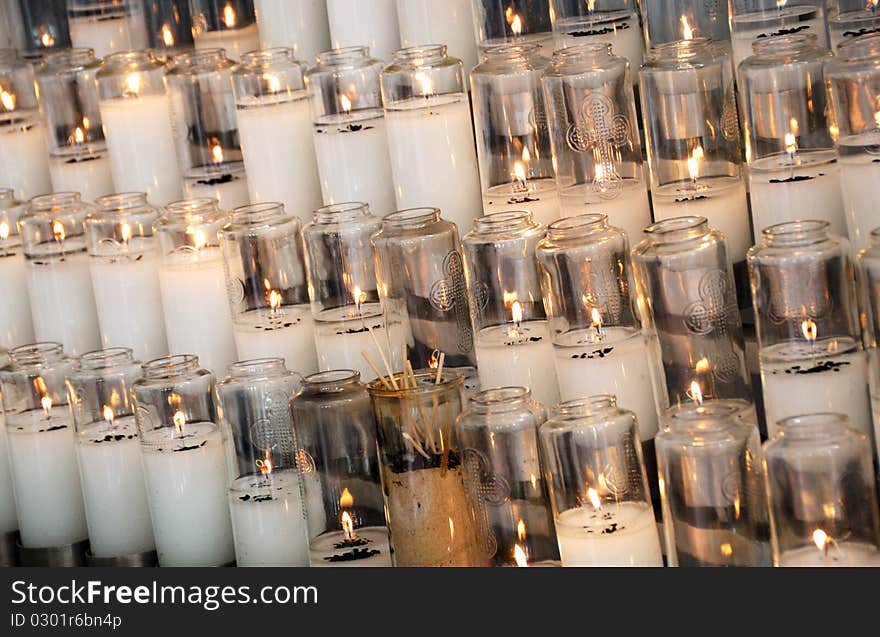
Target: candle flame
x=516 y=26
x=133 y=84
x=593 y=497
x=596 y=317
x=179 y=420
x=877 y=114
x=46 y=38
x=126 y=233
x=108 y=414
x=348 y=526
x=451 y=529
x=46 y=404
x=434 y=361
x=4 y=230
x=694 y=162
x=216 y=152
x=346 y=500
x=358 y=295
x=519 y=172
x=696 y=394
x=521 y=531
x=516 y=312
x=58 y=230
x=810 y=330
x=821 y=539
x=273 y=82
x=200 y=238
x=275 y=300
x=265 y=464
x=8 y=100
x=425 y=84
x=229 y=17
x=781 y=3
x=167 y=35
x=687 y=32
x=591 y=5
x=345 y=103
x=520 y=556
x=78 y=135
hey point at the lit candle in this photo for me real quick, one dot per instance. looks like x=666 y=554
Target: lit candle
x=107 y=27
x=81 y=166
x=748 y=27
x=235 y=34
x=224 y=181
x=538 y=196
x=583 y=23
x=828 y=552
x=853 y=20
x=351 y=546
x=24 y=163
x=16 y=325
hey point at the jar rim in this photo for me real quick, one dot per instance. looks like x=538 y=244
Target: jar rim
x=262 y=57
x=334 y=377
x=343 y=56
x=815 y=427
x=256 y=367
x=411 y=217
x=131 y=58
x=797 y=232
x=121 y=201
x=107 y=358
x=170 y=366
x=337 y=212
x=515 y=221
x=419 y=55
x=577 y=226
x=69 y=60
x=36 y=352
x=502 y=396
x=259 y=214
x=204 y=209
x=677 y=229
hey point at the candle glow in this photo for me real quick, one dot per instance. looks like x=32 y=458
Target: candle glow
x=229 y=17
x=8 y=100
x=348 y=526
x=810 y=330
x=58 y=230
x=46 y=404
x=4 y=230
x=167 y=35
x=108 y=414
x=520 y=556
x=687 y=32
x=179 y=420
x=695 y=393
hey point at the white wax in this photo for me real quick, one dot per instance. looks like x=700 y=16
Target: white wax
x=234 y=41
x=340 y=343
x=371 y=23
x=615 y=364
x=421 y=23
x=300 y=25
x=620 y=29
x=279 y=155
x=196 y=308
x=16 y=324
x=24 y=161
x=289 y=334
x=91 y=178
x=814 y=194
x=617 y=535
x=843 y=554
x=141 y=146
x=113 y=489
x=63 y=302
x=433 y=157
x=860 y=183
x=268 y=520
x=129 y=304
x=370 y=549
x=354 y=163
x=628 y=209
x=539 y=197
x=8 y=517
x=186 y=486
x=230 y=189
x=518 y=356
x=45 y=477
x=748 y=27
x=108 y=35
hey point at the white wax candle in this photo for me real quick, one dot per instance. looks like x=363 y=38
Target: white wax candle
x=16 y=324
x=354 y=162
x=289 y=333
x=371 y=23
x=269 y=521
x=627 y=207
x=843 y=554
x=518 y=356
x=613 y=363
x=622 y=534
x=618 y=28
x=115 y=496
x=537 y=196
x=108 y=34
x=230 y=188
x=746 y=28
x=8 y=517
x=63 y=302
x=186 y=487
x=196 y=307
x=279 y=155
x=340 y=342
x=24 y=159
x=141 y=146
x=301 y=26
x=433 y=157
x=129 y=304
x=860 y=183
x=425 y=22
x=369 y=548
x=45 y=477
x=234 y=41
x=87 y=174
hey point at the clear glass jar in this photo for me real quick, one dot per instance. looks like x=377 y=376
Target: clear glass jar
x=793 y=172
x=425 y=99
x=192 y=278
x=714 y=505
x=754 y=20
x=513 y=346
x=24 y=166
x=687 y=301
x=595 y=139
x=420 y=22
x=136 y=115
x=692 y=132
x=125 y=274
x=109 y=453
x=671 y=20
x=266 y=498
x=513 y=21
x=57 y=265
x=16 y=324
x=807 y=320
x=206 y=128
x=44 y=24
x=351 y=144
x=275 y=126
x=39 y=428
x=503 y=477
x=170 y=27
x=614 y=21
x=850 y=19
x=230 y=25
x=513 y=138
x=599 y=490
x=869 y=301
x=268 y=291
x=421 y=282
x=8 y=516
x=823 y=494
x=185 y=462
x=337 y=432
x=107 y=27
x=302 y=26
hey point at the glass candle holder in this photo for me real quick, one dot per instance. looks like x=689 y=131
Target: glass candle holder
x=793 y=172
x=125 y=274
x=185 y=462
x=342 y=286
x=266 y=496
x=354 y=162
x=687 y=302
x=503 y=477
x=714 y=506
x=268 y=291
x=613 y=21
x=301 y=26
x=16 y=324
x=849 y=19
x=421 y=283
x=109 y=453
x=423 y=471
x=593 y=463
x=169 y=24
x=823 y=495
x=370 y=23
x=692 y=131
x=57 y=264
x=807 y=320
x=44 y=24
x=513 y=345
x=868 y=272
x=136 y=114
x=8 y=517
x=671 y=20
x=107 y=27
x=192 y=279
x=594 y=133
x=337 y=432
x=230 y=25
x=205 y=127
x=423 y=21
x=68 y=95
x=24 y=166
x=754 y=20
x=275 y=126
x=513 y=22
x=853 y=79
x=39 y=427
x=513 y=139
